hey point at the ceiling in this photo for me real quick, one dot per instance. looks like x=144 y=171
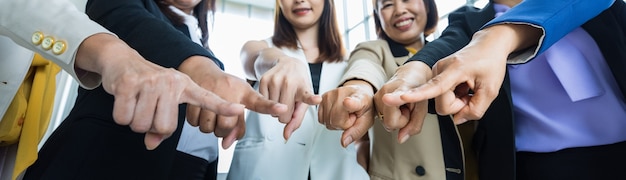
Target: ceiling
x=260 y=3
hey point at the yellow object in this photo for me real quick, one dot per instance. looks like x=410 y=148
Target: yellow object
x=28 y=116
x=411 y=50
x=59 y=47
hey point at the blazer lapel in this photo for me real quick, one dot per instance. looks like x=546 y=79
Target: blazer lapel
x=331 y=73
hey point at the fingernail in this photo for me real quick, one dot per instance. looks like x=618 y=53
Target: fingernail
x=460 y=121
x=287 y=137
x=347 y=141
x=404 y=138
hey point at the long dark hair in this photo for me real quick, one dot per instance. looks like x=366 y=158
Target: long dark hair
x=330 y=42
x=432 y=16
x=200 y=12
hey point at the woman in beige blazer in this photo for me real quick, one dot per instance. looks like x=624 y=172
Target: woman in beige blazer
x=397 y=153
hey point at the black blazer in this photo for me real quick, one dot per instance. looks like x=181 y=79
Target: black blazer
x=494 y=140
x=89 y=144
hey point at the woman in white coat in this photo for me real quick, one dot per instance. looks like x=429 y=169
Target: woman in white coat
x=303 y=58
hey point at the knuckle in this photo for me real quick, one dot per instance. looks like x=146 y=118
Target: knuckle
x=206 y=129
x=395 y=124
x=475 y=114
x=413 y=130
x=139 y=128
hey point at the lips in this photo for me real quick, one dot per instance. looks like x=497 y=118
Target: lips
x=301 y=11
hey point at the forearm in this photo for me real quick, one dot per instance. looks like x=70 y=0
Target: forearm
x=200 y=68
x=100 y=52
x=507 y=38
x=414 y=71
x=367 y=63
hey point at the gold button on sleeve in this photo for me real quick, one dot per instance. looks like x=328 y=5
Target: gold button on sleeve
x=47 y=42
x=59 y=47
x=37 y=38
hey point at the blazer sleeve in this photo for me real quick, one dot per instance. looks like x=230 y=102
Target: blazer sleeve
x=60 y=19
x=144 y=28
x=556 y=18
x=366 y=63
x=456 y=35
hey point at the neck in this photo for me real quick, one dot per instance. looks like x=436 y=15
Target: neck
x=418 y=44
x=308 y=37
x=187 y=11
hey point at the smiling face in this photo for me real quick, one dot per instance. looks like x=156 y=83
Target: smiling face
x=402 y=20
x=184 y=5
x=302 y=14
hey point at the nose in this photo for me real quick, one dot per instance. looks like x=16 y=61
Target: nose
x=400 y=9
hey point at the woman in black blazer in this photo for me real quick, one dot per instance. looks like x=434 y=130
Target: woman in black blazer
x=90 y=145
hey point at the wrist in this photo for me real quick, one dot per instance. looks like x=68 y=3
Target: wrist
x=359 y=83
x=94 y=53
x=509 y=37
x=414 y=71
x=198 y=67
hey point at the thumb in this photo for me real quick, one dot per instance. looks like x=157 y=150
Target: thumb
x=230 y=139
x=309 y=98
x=361 y=126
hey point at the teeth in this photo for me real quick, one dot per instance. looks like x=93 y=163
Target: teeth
x=403 y=23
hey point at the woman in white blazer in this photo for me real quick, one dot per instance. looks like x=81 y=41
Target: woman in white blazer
x=91 y=54
x=304 y=57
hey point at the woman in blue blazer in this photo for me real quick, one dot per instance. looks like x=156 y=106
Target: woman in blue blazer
x=494 y=138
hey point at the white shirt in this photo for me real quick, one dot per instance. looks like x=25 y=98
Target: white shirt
x=192 y=140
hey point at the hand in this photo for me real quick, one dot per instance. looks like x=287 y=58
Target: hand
x=348 y=108
x=233 y=89
x=480 y=66
x=146 y=95
x=477 y=67
x=400 y=114
x=289 y=83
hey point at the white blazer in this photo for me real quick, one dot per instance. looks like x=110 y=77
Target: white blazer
x=59 y=19
x=263 y=153
x=19 y=21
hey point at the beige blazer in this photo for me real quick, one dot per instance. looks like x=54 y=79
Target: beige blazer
x=373 y=61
